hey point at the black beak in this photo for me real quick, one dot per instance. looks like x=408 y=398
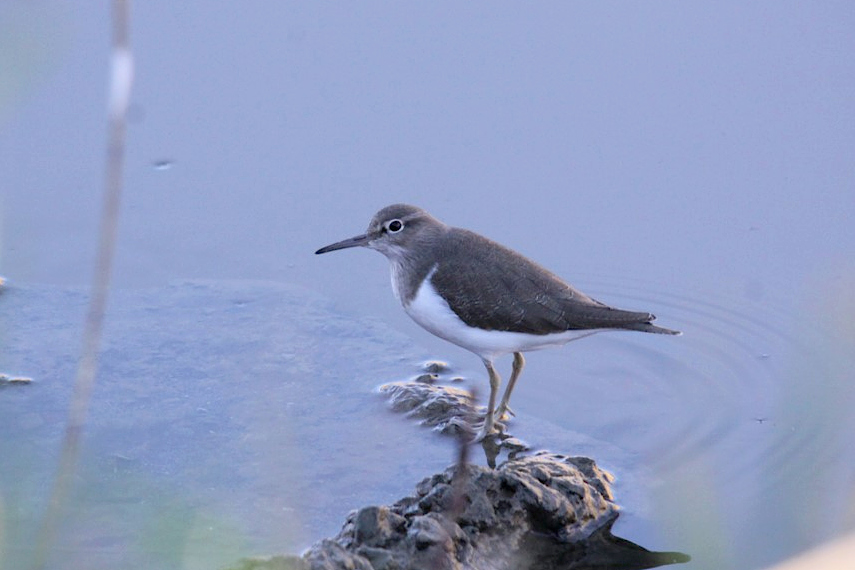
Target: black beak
x=355 y=241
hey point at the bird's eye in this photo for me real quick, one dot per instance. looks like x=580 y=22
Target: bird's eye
x=394 y=226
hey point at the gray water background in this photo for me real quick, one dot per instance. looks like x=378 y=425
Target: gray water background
x=694 y=160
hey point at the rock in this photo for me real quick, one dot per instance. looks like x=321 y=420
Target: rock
x=522 y=515
x=375 y=526
x=426 y=378
x=543 y=511
x=330 y=555
x=6 y=379
x=449 y=410
x=435 y=366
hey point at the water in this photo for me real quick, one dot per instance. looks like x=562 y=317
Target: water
x=694 y=162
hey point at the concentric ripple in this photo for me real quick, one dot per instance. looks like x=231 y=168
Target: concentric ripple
x=748 y=381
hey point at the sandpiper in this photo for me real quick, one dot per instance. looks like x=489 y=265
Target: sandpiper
x=482 y=296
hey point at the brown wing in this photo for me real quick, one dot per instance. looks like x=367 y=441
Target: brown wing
x=500 y=289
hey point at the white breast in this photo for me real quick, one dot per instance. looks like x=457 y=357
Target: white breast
x=431 y=311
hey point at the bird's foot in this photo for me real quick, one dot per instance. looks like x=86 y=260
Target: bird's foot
x=483 y=434
x=505 y=413
x=489 y=428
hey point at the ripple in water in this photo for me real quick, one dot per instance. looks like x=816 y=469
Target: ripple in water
x=731 y=386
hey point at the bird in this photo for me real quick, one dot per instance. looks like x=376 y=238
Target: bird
x=484 y=297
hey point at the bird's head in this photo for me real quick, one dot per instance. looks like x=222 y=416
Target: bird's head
x=395 y=231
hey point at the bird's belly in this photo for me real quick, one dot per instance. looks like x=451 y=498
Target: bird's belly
x=432 y=312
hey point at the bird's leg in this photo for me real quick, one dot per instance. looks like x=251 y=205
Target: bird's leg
x=495 y=382
x=503 y=409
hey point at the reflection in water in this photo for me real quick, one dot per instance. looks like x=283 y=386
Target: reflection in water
x=602 y=550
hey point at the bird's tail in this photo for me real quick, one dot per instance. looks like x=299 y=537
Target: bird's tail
x=651 y=328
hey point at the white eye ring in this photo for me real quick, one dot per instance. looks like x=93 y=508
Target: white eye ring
x=394 y=226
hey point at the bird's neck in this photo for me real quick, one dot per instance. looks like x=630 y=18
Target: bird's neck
x=408 y=273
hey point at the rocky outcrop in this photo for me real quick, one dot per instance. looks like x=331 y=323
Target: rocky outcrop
x=542 y=511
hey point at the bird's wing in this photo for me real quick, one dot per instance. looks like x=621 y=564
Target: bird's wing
x=519 y=295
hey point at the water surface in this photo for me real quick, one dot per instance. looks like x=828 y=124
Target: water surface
x=691 y=161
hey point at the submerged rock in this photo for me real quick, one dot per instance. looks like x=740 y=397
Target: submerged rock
x=6 y=379
x=449 y=410
x=435 y=367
